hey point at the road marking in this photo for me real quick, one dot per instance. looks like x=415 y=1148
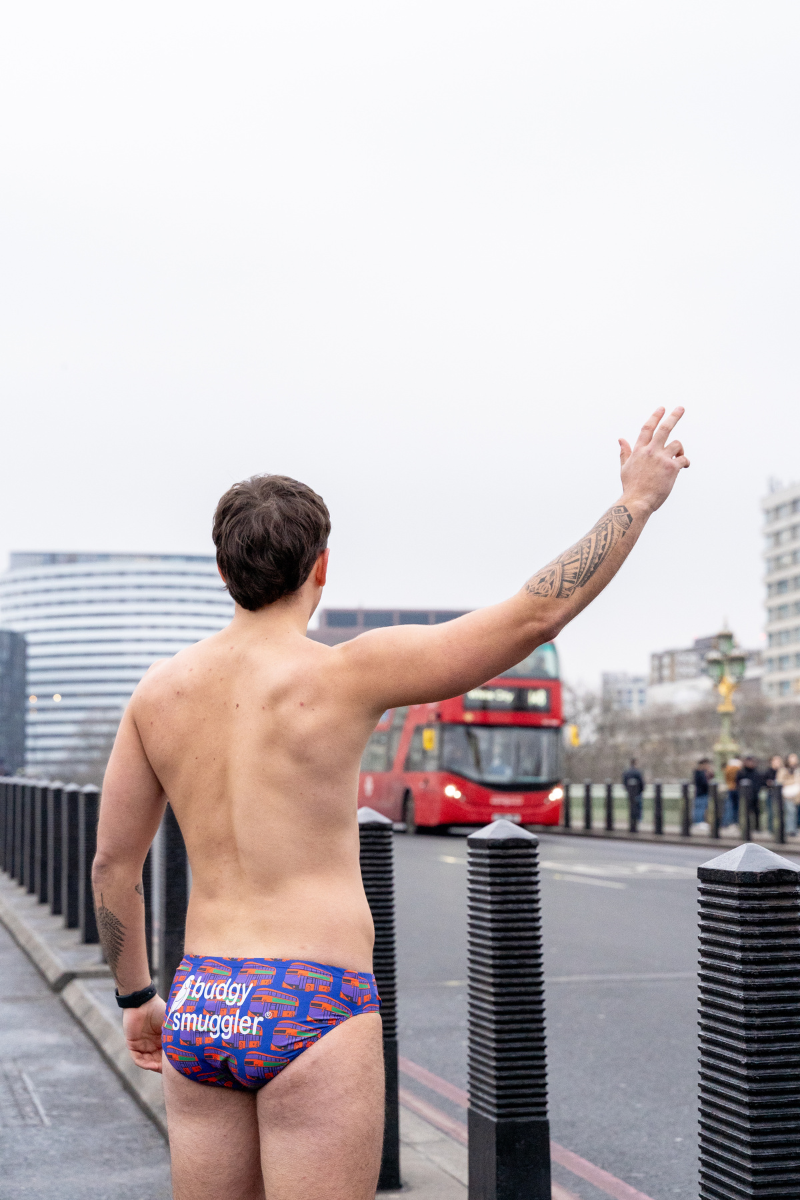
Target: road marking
x=606 y=883
x=637 y=870
x=581 y=1167
x=632 y=977
x=448 y=858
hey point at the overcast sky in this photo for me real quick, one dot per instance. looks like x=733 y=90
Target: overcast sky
x=433 y=258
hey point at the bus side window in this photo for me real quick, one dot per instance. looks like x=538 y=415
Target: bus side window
x=423 y=753
x=375 y=756
x=396 y=733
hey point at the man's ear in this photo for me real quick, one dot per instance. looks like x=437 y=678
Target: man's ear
x=321 y=569
x=222 y=577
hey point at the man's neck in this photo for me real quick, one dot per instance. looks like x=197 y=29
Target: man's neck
x=286 y=617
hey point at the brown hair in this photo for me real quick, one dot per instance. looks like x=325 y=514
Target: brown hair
x=269 y=531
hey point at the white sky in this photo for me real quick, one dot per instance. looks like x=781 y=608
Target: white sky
x=432 y=258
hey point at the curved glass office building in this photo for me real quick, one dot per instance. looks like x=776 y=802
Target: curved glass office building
x=93 y=624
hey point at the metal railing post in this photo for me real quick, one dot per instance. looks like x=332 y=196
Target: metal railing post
x=609 y=806
x=658 y=807
x=40 y=844
x=88 y=809
x=27 y=877
x=745 y=793
x=686 y=827
x=3 y=810
x=749 y=1026
x=174 y=897
x=779 y=817
x=566 y=815
x=587 y=804
x=713 y=800
x=509 y=1138
x=17 y=869
x=69 y=855
x=54 y=821
x=633 y=815
x=376 y=841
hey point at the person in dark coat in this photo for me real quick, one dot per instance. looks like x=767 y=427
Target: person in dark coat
x=702 y=780
x=634 y=782
x=749 y=770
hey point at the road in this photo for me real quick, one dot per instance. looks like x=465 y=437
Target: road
x=619 y=927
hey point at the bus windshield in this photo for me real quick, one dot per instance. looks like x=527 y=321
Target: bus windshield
x=502 y=755
x=542 y=664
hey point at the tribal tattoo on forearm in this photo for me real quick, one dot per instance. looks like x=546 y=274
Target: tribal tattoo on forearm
x=112 y=934
x=576 y=566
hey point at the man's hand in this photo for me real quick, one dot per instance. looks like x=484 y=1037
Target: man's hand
x=142 y=1028
x=651 y=468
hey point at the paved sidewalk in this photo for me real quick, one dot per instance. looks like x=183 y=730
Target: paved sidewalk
x=70 y=1129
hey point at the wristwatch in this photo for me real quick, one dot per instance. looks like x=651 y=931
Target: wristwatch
x=136 y=999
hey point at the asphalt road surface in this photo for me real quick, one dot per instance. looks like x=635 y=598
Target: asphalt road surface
x=620 y=952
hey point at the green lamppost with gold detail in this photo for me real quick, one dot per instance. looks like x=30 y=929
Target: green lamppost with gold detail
x=725 y=665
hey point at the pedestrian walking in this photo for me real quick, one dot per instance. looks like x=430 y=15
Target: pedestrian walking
x=703 y=775
x=770 y=777
x=749 y=771
x=634 y=782
x=789 y=778
x=730 y=815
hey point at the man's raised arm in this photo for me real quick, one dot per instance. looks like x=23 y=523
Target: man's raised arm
x=415 y=664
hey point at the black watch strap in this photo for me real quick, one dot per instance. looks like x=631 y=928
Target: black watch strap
x=136 y=999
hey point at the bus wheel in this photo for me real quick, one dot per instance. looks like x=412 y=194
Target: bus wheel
x=409 y=816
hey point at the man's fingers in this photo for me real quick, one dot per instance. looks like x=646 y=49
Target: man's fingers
x=646 y=435
x=666 y=427
x=624 y=451
x=682 y=461
x=674 y=449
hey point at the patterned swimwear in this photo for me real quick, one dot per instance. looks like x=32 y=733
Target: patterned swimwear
x=237 y=1022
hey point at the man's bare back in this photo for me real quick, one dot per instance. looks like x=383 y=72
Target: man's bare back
x=255 y=736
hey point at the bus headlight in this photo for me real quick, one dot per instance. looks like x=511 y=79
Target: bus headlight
x=556 y=794
x=452 y=790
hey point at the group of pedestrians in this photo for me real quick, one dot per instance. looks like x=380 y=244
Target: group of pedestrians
x=783 y=771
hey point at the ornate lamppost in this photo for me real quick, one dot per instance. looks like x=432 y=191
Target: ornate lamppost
x=726 y=666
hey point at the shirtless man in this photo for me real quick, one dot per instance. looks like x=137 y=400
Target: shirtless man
x=271 y=1047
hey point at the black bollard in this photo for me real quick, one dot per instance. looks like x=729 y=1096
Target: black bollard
x=745 y=792
x=749 y=1026
x=88 y=809
x=28 y=864
x=686 y=817
x=566 y=818
x=3 y=820
x=54 y=830
x=69 y=855
x=8 y=824
x=19 y=824
x=633 y=815
x=509 y=1138
x=174 y=892
x=713 y=800
x=779 y=816
x=377 y=872
x=658 y=808
x=587 y=804
x=40 y=878
x=609 y=806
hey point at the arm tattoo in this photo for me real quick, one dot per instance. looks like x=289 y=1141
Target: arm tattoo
x=112 y=934
x=576 y=566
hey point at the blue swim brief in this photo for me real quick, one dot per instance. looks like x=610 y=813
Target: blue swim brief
x=237 y=1022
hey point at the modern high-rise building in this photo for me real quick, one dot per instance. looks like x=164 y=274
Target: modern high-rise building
x=93 y=624
x=12 y=702
x=782 y=559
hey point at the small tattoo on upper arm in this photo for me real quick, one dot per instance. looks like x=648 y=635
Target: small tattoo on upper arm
x=576 y=566
x=139 y=887
x=112 y=934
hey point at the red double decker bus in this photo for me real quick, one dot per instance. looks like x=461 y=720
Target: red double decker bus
x=493 y=752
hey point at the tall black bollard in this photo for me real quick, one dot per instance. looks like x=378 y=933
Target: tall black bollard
x=587 y=804
x=509 y=1138
x=40 y=846
x=19 y=822
x=174 y=893
x=713 y=801
x=3 y=818
x=609 y=806
x=69 y=855
x=778 y=814
x=749 y=1026
x=566 y=813
x=633 y=808
x=8 y=824
x=88 y=809
x=686 y=817
x=745 y=807
x=377 y=872
x=54 y=831
x=658 y=807
x=28 y=848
